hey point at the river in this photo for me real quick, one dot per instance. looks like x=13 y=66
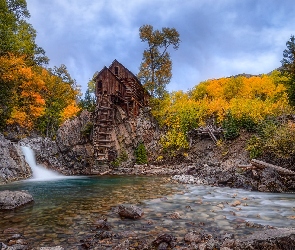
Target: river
x=65 y=210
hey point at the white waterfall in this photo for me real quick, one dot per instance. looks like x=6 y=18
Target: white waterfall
x=39 y=172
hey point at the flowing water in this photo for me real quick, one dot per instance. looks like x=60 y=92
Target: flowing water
x=65 y=210
x=39 y=172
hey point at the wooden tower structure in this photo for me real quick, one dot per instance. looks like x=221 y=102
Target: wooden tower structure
x=114 y=86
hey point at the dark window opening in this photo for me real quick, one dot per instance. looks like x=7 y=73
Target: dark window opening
x=116 y=70
x=99 y=85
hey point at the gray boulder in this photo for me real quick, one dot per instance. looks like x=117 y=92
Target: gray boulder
x=14 y=199
x=131 y=211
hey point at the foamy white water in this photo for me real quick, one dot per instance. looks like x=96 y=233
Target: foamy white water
x=40 y=173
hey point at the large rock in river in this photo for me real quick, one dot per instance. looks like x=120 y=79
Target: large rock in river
x=14 y=199
x=130 y=211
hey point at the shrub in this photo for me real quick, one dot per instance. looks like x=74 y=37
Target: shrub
x=282 y=143
x=273 y=138
x=254 y=146
x=248 y=123
x=87 y=129
x=122 y=158
x=141 y=154
x=231 y=127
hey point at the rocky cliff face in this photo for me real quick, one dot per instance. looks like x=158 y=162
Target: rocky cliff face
x=12 y=162
x=72 y=152
x=128 y=133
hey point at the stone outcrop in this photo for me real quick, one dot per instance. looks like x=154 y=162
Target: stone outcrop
x=12 y=162
x=46 y=152
x=74 y=141
x=14 y=199
x=76 y=148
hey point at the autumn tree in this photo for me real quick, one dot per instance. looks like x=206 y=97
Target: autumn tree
x=31 y=97
x=155 y=69
x=288 y=67
x=60 y=94
x=22 y=102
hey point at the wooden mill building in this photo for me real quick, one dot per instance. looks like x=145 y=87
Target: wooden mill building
x=116 y=88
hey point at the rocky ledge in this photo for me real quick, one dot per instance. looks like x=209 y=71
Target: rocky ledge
x=264 y=180
x=268 y=239
x=272 y=239
x=14 y=199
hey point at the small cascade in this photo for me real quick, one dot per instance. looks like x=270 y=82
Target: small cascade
x=39 y=172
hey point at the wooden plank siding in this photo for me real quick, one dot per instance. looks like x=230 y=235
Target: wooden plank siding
x=123 y=86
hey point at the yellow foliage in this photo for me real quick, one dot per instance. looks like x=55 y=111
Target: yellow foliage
x=19 y=117
x=255 y=97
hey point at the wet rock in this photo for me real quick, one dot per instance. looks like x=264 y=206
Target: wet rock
x=271 y=181
x=122 y=246
x=227 y=236
x=193 y=237
x=236 y=203
x=163 y=246
x=212 y=244
x=103 y=224
x=169 y=239
x=52 y=248
x=13 y=199
x=130 y=211
x=104 y=235
x=175 y=216
x=188 y=179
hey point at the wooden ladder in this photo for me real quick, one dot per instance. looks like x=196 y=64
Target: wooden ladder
x=103 y=126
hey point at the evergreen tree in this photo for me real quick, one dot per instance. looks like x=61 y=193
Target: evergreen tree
x=88 y=102
x=141 y=154
x=288 y=67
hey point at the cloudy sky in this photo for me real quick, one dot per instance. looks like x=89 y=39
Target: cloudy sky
x=218 y=37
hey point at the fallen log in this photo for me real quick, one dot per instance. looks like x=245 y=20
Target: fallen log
x=210 y=132
x=247 y=166
x=262 y=165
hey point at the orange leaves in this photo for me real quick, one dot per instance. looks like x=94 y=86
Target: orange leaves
x=25 y=86
x=32 y=97
x=71 y=110
x=19 y=117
